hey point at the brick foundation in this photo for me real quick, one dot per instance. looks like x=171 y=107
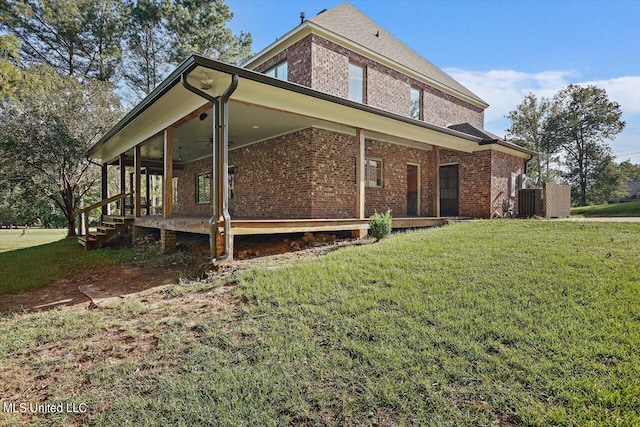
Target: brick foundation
x=167 y=241
x=219 y=240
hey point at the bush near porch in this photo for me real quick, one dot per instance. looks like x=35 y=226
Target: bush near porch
x=515 y=322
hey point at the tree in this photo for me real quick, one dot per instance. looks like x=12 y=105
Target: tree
x=582 y=121
x=78 y=37
x=9 y=72
x=199 y=26
x=146 y=41
x=608 y=182
x=529 y=122
x=630 y=174
x=44 y=138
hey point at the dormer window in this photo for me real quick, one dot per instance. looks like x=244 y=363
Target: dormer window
x=280 y=71
x=356 y=82
x=416 y=103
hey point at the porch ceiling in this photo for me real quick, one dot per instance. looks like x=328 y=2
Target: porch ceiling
x=260 y=108
x=248 y=124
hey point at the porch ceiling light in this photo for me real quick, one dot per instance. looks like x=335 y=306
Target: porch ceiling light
x=206 y=82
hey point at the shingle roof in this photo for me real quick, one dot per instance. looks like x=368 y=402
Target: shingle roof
x=348 y=22
x=487 y=137
x=474 y=131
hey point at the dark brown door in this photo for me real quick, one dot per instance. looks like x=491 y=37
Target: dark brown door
x=449 y=190
x=412 y=190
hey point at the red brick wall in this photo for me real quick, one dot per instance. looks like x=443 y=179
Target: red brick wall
x=324 y=66
x=474 y=181
x=187 y=189
x=330 y=70
x=274 y=177
x=386 y=88
x=298 y=57
x=311 y=174
x=393 y=193
x=483 y=180
x=333 y=193
x=502 y=165
x=442 y=109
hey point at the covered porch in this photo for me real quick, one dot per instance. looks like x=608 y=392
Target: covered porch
x=207 y=112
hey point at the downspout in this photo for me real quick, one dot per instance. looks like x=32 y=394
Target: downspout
x=220 y=162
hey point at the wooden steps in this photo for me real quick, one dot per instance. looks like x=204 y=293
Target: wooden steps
x=111 y=226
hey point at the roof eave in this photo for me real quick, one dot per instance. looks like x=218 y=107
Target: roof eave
x=508 y=144
x=196 y=60
x=283 y=84
x=164 y=87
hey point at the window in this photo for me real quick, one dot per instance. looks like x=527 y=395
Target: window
x=174 y=191
x=373 y=172
x=356 y=82
x=280 y=71
x=203 y=187
x=416 y=104
x=232 y=181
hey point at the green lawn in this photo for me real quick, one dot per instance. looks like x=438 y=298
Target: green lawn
x=527 y=323
x=612 y=210
x=36 y=266
x=15 y=239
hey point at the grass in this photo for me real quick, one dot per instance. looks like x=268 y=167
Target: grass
x=11 y=240
x=612 y=210
x=36 y=266
x=526 y=323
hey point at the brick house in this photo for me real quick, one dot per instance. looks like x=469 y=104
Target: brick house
x=335 y=120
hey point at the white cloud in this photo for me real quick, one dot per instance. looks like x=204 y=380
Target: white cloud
x=624 y=90
x=505 y=89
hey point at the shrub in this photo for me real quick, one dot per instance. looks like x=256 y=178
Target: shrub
x=380 y=225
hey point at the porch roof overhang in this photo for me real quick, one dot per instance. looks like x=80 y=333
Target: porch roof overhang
x=263 y=107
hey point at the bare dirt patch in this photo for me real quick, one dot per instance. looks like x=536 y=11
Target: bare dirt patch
x=93 y=283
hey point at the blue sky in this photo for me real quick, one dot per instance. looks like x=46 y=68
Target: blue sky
x=501 y=50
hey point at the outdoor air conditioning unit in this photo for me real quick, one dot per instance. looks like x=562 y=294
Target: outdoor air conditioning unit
x=530 y=202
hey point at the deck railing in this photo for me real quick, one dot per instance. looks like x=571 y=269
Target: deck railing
x=84 y=212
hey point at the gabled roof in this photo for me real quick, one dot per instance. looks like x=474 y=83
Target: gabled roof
x=348 y=22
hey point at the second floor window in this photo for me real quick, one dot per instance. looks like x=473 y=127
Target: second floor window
x=416 y=104
x=356 y=82
x=280 y=71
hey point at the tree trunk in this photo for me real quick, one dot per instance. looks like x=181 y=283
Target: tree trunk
x=71 y=229
x=67 y=196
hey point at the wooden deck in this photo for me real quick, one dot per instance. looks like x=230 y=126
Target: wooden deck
x=240 y=227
